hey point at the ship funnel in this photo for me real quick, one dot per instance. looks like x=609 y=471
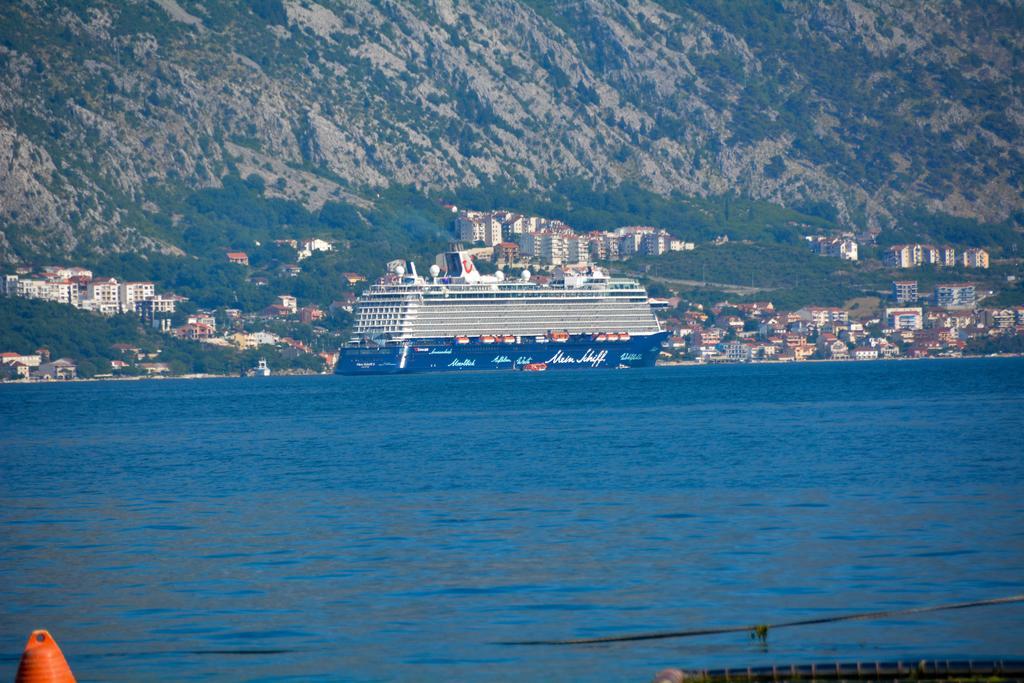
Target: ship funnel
x=459 y=264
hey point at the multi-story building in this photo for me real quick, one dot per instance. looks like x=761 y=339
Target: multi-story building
x=512 y=225
x=577 y=250
x=287 y=301
x=911 y=255
x=955 y=295
x=901 y=256
x=103 y=296
x=904 y=291
x=655 y=243
x=31 y=288
x=63 y=292
x=975 y=258
x=904 y=318
x=929 y=254
x=58 y=291
x=156 y=307
x=999 y=318
x=309 y=246
x=65 y=272
x=836 y=247
x=131 y=292
x=549 y=245
x=506 y=251
x=821 y=315
x=478 y=226
x=736 y=351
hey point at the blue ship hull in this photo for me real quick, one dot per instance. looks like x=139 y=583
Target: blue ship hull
x=579 y=352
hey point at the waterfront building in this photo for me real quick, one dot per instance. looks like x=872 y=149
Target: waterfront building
x=865 y=353
x=31 y=360
x=62 y=368
x=736 y=351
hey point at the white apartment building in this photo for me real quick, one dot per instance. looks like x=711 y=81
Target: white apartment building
x=58 y=291
x=104 y=290
x=65 y=272
x=904 y=318
x=478 y=226
x=156 y=307
x=132 y=292
x=822 y=315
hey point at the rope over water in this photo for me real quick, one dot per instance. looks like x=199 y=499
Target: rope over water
x=758 y=628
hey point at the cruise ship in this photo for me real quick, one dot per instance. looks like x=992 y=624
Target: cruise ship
x=457 y=320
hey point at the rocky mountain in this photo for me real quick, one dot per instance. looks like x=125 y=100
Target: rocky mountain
x=856 y=110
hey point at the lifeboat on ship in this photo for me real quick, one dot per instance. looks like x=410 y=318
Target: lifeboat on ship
x=560 y=336
x=624 y=336
x=535 y=367
x=601 y=337
x=613 y=337
x=462 y=340
x=508 y=339
x=487 y=339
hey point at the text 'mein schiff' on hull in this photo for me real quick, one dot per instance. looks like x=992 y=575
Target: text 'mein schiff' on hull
x=457 y=320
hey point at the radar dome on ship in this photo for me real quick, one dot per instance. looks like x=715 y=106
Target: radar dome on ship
x=399 y=271
x=525 y=275
x=435 y=270
x=500 y=275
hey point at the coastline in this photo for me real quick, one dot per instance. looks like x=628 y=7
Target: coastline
x=145 y=378
x=660 y=364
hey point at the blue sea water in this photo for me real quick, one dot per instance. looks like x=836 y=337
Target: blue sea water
x=399 y=528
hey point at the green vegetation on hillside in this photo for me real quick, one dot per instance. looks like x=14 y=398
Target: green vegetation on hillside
x=693 y=218
x=792 y=276
x=26 y=325
x=400 y=224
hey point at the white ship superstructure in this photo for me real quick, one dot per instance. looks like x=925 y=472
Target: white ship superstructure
x=462 y=303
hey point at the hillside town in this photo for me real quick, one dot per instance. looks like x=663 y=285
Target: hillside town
x=942 y=323
x=514 y=238
x=107 y=296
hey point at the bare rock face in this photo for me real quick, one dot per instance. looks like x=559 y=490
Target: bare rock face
x=25 y=196
x=865 y=105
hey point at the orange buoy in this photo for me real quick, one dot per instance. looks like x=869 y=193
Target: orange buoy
x=43 y=662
